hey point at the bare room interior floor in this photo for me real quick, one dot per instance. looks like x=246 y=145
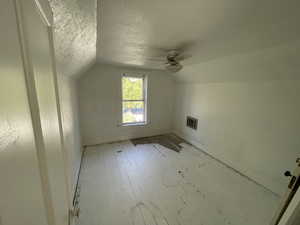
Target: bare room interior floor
x=123 y=184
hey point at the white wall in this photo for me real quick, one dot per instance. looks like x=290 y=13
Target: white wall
x=248 y=109
x=21 y=192
x=70 y=126
x=75 y=34
x=100 y=104
x=75 y=51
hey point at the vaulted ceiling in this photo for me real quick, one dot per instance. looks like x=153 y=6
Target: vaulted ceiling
x=74 y=35
x=139 y=32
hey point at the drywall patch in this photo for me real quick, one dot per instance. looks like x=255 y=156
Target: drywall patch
x=74 y=35
x=8 y=135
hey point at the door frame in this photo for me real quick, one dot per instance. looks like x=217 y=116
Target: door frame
x=291 y=211
x=45 y=11
x=59 y=114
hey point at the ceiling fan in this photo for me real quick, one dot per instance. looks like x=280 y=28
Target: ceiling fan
x=171 y=59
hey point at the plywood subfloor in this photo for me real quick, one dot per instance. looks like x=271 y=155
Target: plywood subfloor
x=123 y=184
x=170 y=141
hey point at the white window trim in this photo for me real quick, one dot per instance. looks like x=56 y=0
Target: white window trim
x=145 y=100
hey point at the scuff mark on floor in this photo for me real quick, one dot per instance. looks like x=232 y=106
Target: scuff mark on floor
x=201 y=165
x=178 y=184
x=235 y=171
x=181 y=173
x=160 y=212
x=133 y=213
x=160 y=152
x=153 y=210
x=220 y=212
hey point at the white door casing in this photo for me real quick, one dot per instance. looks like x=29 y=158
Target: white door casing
x=39 y=49
x=21 y=192
x=289 y=208
x=34 y=188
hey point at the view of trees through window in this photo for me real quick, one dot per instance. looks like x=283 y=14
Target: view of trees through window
x=133 y=99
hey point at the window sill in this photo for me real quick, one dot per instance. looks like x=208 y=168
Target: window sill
x=134 y=124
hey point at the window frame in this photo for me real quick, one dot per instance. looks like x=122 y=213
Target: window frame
x=144 y=100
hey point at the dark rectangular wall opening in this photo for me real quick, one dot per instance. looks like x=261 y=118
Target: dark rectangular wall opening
x=192 y=122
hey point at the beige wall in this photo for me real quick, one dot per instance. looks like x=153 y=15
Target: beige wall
x=100 y=104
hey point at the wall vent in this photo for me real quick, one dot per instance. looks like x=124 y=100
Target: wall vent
x=192 y=122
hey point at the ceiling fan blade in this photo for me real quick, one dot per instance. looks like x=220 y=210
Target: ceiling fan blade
x=157 y=59
x=182 y=57
x=174 y=68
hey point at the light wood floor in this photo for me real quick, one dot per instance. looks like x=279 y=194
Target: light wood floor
x=150 y=185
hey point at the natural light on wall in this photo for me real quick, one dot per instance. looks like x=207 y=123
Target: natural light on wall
x=133 y=100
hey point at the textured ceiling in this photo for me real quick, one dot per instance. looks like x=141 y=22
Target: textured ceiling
x=135 y=32
x=75 y=33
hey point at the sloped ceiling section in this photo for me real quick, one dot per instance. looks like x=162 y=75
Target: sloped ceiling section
x=139 y=32
x=75 y=35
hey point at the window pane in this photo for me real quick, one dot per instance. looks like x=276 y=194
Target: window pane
x=133 y=112
x=132 y=88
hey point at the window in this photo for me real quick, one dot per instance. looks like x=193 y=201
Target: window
x=133 y=100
